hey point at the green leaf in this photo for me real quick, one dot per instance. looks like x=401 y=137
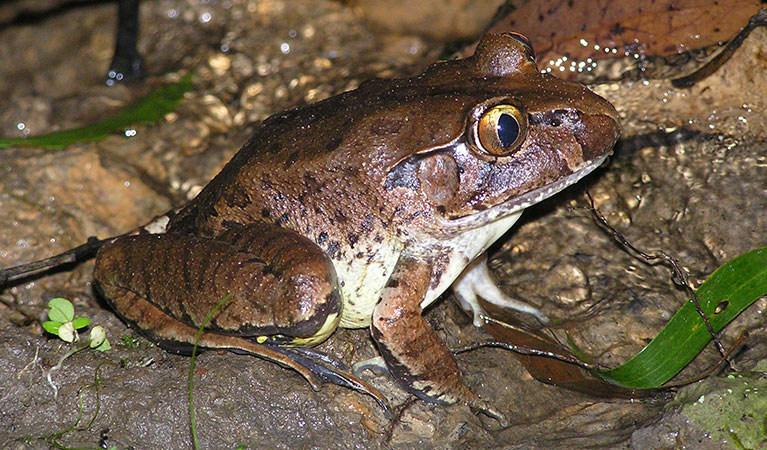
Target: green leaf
x=81 y=322
x=726 y=293
x=61 y=310
x=52 y=327
x=104 y=346
x=148 y=110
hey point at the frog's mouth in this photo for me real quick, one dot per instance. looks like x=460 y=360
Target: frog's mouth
x=518 y=204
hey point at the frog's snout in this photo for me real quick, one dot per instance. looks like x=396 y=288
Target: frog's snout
x=600 y=132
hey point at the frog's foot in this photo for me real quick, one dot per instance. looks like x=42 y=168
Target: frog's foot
x=487 y=409
x=377 y=365
x=477 y=281
x=330 y=370
x=316 y=367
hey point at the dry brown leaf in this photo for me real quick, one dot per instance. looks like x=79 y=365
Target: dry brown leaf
x=581 y=29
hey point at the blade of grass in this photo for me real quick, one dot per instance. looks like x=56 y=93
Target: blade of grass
x=148 y=110
x=200 y=330
x=726 y=293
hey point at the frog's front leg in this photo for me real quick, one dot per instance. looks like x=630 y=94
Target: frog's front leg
x=411 y=349
x=477 y=281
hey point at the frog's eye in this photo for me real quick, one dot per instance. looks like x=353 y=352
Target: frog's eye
x=501 y=130
x=522 y=39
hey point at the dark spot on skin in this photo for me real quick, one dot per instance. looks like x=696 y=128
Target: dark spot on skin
x=617 y=29
x=378 y=239
x=359 y=255
x=291 y=159
x=310 y=182
x=273 y=148
x=269 y=270
x=350 y=171
x=265 y=213
x=540 y=17
x=414 y=216
x=353 y=238
x=333 y=249
x=367 y=223
x=392 y=283
x=555 y=118
x=333 y=143
x=237 y=197
x=437 y=276
x=441 y=209
x=340 y=216
x=283 y=218
x=322 y=238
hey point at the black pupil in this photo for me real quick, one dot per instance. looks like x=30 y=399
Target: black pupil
x=508 y=130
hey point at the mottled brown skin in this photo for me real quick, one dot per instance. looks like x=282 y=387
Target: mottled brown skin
x=360 y=210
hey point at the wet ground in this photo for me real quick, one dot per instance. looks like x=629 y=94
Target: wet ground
x=689 y=177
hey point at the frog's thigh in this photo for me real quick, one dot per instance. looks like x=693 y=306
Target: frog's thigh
x=413 y=353
x=282 y=287
x=476 y=280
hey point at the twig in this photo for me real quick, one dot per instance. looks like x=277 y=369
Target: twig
x=74 y=255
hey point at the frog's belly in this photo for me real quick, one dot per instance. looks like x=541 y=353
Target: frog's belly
x=362 y=281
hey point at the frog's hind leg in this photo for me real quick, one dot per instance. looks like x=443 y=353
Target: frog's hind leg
x=275 y=288
x=477 y=281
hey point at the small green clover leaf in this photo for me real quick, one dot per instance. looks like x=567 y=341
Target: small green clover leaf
x=62 y=310
x=63 y=322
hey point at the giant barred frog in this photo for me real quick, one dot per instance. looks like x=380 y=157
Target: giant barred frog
x=360 y=210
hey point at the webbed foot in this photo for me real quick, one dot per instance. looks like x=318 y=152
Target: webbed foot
x=324 y=368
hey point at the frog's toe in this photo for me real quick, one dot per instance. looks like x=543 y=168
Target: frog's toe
x=330 y=370
x=477 y=281
x=376 y=365
x=490 y=411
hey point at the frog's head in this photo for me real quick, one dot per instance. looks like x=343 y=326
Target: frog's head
x=522 y=136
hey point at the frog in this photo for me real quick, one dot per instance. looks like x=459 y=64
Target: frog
x=360 y=211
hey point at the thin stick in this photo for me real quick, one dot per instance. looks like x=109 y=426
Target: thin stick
x=74 y=255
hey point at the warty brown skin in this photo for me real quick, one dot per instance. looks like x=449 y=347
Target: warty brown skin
x=360 y=210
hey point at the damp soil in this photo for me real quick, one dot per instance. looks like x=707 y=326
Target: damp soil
x=689 y=177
